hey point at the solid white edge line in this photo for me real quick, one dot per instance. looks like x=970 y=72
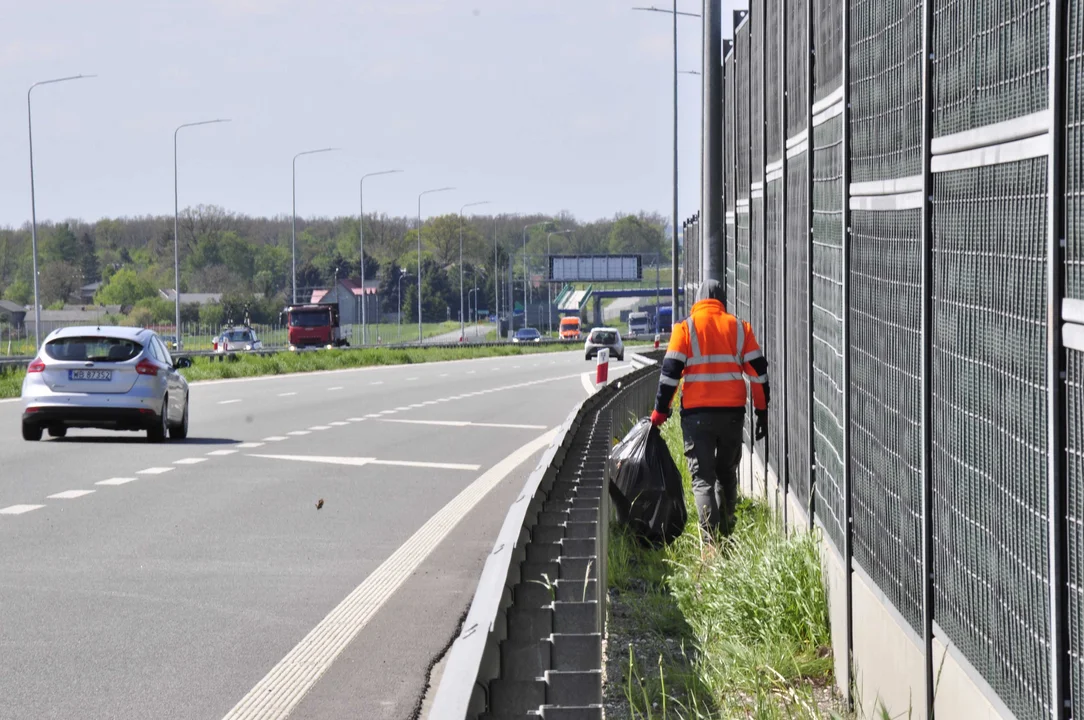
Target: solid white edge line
x=588 y=383
x=282 y=689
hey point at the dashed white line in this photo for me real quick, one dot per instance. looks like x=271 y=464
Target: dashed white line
x=69 y=494
x=378 y=382
x=228 y=402
x=338 y=387
x=356 y=419
x=189 y=461
x=466 y=423
x=274 y=438
x=220 y=453
x=386 y=412
x=299 y=432
x=155 y=471
x=249 y=445
x=361 y=461
x=444 y=374
x=373 y=415
x=289 y=394
x=115 y=481
x=337 y=423
x=411 y=379
x=19 y=509
x=320 y=427
x=403 y=408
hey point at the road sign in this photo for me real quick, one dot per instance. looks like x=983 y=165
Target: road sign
x=595 y=268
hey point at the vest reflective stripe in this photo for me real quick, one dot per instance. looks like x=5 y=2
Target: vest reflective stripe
x=674 y=355
x=741 y=339
x=759 y=380
x=664 y=380
x=712 y=377
x=754 y=355
x=694 y=342
x=706 y=359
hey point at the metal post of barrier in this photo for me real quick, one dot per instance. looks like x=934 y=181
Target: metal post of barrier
x=845 y=219
x=782 y=476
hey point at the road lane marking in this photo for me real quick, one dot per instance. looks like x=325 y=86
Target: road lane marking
x=282 y=689
x=69 y=495
x=156 y=471
x=356 y=419
x=403 y=408
x=386 y=412
x=471 y=372
x=378 y=382
x=339 y=387
x=373 y=415
x=274 y=438
x=189 y=461
x=444 y=374
x=249 y=445
x=115 y=481
x=19 y=509
x=320 y=427
x=338 y=423
x=362 y=461
x=220 y=453
x=588 y=383
x=466 y=423
x=299 y=432
x=290 y=394
x=411 y=379
x=228 y=402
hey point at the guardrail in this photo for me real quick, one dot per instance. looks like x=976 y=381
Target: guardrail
x=532 y=640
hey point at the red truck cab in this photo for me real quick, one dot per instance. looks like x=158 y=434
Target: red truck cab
x=313 y=326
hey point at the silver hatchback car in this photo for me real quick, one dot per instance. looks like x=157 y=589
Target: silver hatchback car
x=115 y=378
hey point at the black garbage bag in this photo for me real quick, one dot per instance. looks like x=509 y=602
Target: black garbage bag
x=645 y=486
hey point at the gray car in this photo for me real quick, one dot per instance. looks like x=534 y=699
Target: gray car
x=114 y=378
x=604 y=337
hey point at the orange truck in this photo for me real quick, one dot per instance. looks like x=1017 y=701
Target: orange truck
x=570 y=328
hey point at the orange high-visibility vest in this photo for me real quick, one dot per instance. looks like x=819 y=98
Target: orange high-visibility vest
x=716 y=349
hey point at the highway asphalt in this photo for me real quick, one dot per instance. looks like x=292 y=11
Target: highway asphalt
x=199 y=580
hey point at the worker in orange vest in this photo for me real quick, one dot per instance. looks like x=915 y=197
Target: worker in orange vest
x=715 y=352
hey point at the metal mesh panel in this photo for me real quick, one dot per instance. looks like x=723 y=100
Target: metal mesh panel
x=730 y=144
x=741 y=257
x=797 y=327
x=797 y=67
x=756 y=277
x=990 y=62
x=742 y=109
x=771 y=332
x=773 y=84
x=828 y=39
x=827 y=348
x=886 y=89
x=886 y=394
x=1074 y=470
x=756 y=90
x=989 y=427
x=1074 y=153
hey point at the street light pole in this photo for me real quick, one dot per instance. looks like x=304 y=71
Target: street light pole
x=402 y=274
x=176 y=234
x=33 y=202
x=462 y=322
x=293 y=219
x=475 y=290
x=544 y=222
x=425 y=192
x=549 y=285
x=674 y=241
x=361 y=251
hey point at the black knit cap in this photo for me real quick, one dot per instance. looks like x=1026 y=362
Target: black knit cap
x=711 y=290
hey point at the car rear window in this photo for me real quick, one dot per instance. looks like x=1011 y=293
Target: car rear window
x=239 y=336
x=604 y=337
x=93 y=349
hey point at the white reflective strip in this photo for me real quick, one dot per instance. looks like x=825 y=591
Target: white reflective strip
x=758 y=193
x=796 y=150
x=759 y=380
x=797 y=140
x=1016 y=129
x=1072 y=310
x=742 y=203
x=713 y=377
x=1038 y=146
x=664 y=380
x=675 y=355
x=912 y=183
x=903 y=201
x=741 y=339
x=836 y=96
x=775 y=167
x=1072 y=336
x=823 y=117
x=694 y=341
x=754 y=356
x=774 y=176
x=754 y=187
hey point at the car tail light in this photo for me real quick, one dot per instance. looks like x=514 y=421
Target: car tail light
x=36 y=366
x=146 y=367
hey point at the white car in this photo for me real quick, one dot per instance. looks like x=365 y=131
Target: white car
x=237 y=340
x=604 y=337
x=115 y=378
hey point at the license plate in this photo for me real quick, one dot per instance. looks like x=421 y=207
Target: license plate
x=98 y=375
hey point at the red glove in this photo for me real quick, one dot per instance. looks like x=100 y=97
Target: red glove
x=657 y=418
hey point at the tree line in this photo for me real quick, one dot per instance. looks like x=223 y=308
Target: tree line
x=248 y=258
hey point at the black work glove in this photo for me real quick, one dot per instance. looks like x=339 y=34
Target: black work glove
x=762 y=424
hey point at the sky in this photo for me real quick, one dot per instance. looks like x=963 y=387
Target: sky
x=538 y=106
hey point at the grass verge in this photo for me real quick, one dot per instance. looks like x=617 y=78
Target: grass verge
x=737 y=630
x=285 y=362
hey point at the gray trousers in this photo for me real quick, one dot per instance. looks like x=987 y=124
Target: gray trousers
x=713 y=449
